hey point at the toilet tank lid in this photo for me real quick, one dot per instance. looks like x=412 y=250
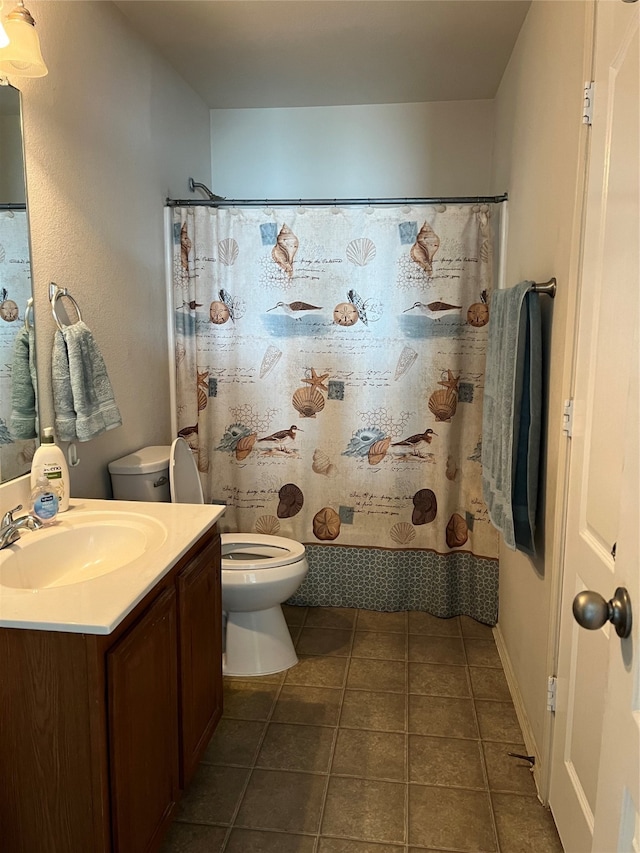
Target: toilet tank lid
x=147 y=460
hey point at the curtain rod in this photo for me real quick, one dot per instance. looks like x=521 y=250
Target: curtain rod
x=12 y=206
x=332 y=202
x=218 y=201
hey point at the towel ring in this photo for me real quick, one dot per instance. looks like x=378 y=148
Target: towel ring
x=57 y=294
x=28 y=311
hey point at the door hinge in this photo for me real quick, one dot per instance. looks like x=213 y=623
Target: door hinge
x=567 y=418
x=552 y=682
x=587 y=106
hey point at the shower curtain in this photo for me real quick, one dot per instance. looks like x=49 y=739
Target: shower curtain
x=329 y=380
x=17 y=439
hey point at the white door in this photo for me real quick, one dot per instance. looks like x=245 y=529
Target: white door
x=594 y=791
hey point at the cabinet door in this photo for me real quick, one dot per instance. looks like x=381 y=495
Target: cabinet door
x=200 y=649
x=143 y=727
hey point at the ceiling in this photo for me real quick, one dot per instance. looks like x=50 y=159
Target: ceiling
x=301 y=53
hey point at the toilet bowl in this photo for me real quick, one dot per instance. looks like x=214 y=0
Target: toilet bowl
x=259 y=572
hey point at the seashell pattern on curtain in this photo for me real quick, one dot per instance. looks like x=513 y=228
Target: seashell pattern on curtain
x=330 y=374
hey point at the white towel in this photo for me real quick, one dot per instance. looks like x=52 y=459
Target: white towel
x=83 y=399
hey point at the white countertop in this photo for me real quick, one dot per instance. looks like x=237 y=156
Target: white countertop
x=98 y=605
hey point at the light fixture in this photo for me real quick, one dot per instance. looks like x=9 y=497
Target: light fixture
x=21 y=57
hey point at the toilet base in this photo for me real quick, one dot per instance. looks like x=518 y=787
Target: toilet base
x=258 y=643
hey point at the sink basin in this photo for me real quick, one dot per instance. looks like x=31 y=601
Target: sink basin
x=79 y=549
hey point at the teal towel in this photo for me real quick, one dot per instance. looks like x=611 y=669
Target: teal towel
x=65 y=414
x=23 y=387
x=512 y=415
x=83 y=399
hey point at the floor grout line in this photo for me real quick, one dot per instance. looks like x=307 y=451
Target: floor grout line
x=483 y=761
x=243 y=791
x=325 y=795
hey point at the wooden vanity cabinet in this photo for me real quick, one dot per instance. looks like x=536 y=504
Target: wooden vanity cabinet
x=99 y=734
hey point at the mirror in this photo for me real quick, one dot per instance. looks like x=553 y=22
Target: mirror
x=18 y=424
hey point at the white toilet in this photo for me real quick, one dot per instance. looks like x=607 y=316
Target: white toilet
x=258 y=572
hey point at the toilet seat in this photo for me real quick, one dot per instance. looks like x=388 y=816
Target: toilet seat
x=184 y=480
x=257 y=551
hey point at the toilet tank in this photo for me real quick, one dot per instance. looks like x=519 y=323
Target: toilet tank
x=142 y=475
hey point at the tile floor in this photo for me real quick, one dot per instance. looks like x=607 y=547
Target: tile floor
x=390 y=736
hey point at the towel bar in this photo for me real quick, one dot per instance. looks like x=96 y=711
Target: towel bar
x=546 y=287
x=56 y=293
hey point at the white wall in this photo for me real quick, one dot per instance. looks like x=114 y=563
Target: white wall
x=383 y=150
x=109 y=133
x=539 y=158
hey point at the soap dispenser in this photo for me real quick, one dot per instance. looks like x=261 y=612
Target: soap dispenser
x=49 y=461
x=45 y=499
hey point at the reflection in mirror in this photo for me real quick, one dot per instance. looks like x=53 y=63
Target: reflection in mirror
x=18 y=423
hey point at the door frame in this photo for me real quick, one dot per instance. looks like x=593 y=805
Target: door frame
x=574 y=286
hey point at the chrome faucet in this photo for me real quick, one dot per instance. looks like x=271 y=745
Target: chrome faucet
x=11 y=527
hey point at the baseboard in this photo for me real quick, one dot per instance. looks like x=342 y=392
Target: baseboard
x=523 y=719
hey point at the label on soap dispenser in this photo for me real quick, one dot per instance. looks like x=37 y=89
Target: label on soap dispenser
x=45 y=506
